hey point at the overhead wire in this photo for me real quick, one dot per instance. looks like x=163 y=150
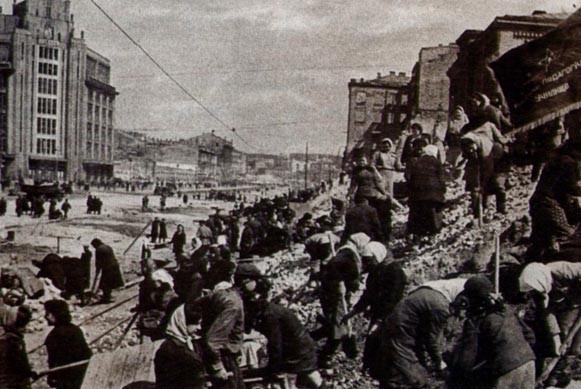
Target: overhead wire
x=168 y=75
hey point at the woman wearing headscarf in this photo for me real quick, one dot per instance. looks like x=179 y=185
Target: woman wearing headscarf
x=384 y=160
x=339 y=280
x=414 y=327
x=366 y=182
x=384 y=288
x=65 y=344
x=426 y=191
x=15 y=370
x=483 y=149
x=494 y=349
x=555 y=289
x=178 y=361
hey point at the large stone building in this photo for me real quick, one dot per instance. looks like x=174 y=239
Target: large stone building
x=377 y=108
x=470 y=73
x=56 y=101
x=429 y=88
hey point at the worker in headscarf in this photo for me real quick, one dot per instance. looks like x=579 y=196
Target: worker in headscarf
x=426 y=191
x=179 y=360
x=555 y=289
x=15 y=370
x=494 y=349
x=384 y=160
x=415 y=327
x=366 y=181
x=384 y=288
x=483 y=149
x=339 y=280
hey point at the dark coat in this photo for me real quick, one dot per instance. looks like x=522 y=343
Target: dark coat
x=290 y=348
x=177 y=367
x=15 y=370
x=490 y=346
x=362 y=218
x=222 y=324
x=384 y=288
x=154 y=230
x=106 y=262
x=425 y=178
x=179 y=241
x=416 y=324
x=162 y=230
x=66 y=344
x=52 y=268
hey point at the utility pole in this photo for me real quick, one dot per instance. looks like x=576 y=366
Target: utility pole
x=307 y=166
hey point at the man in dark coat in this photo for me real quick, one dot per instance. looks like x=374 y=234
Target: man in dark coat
x=162 y=231
x=155 y=224
x=290 y=348
x=65 y=344
x=362 y=218
x=66 y=207
x=107 y=266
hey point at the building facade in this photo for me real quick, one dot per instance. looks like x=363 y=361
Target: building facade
x=377 y=109
x=56 y=104
x=429 y=89
x=470 y=73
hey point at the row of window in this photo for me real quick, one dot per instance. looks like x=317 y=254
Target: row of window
x=109 y=132
x=97 y=113
x=46 y=146
x=48 y=53
x=48 y=69
x=47 y=86
x=93 y=149
x=46 y=126
x=46 y=106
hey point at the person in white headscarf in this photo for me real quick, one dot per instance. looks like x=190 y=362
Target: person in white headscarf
x=426 y=192
x=416 y=326
x=178 y=361
x=556 y=290
x=384 y=286
x=384 y=159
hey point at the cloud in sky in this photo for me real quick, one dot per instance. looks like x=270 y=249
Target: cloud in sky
x=269 y=61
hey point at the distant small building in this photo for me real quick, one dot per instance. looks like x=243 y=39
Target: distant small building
x=378 y=108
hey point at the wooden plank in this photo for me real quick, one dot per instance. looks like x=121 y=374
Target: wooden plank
x=122 y=367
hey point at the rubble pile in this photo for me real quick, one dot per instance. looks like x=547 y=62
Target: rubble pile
x=448 y=253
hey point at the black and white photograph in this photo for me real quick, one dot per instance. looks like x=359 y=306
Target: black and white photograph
x=303 y=194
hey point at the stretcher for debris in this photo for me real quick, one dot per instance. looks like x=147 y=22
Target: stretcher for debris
x=133 y=367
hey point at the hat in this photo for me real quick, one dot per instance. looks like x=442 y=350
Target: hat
x=478 y=287
x=248 y=270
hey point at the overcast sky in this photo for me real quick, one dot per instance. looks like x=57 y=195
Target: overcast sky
x=275 y=70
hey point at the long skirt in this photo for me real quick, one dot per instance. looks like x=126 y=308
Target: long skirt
x=425 y=218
